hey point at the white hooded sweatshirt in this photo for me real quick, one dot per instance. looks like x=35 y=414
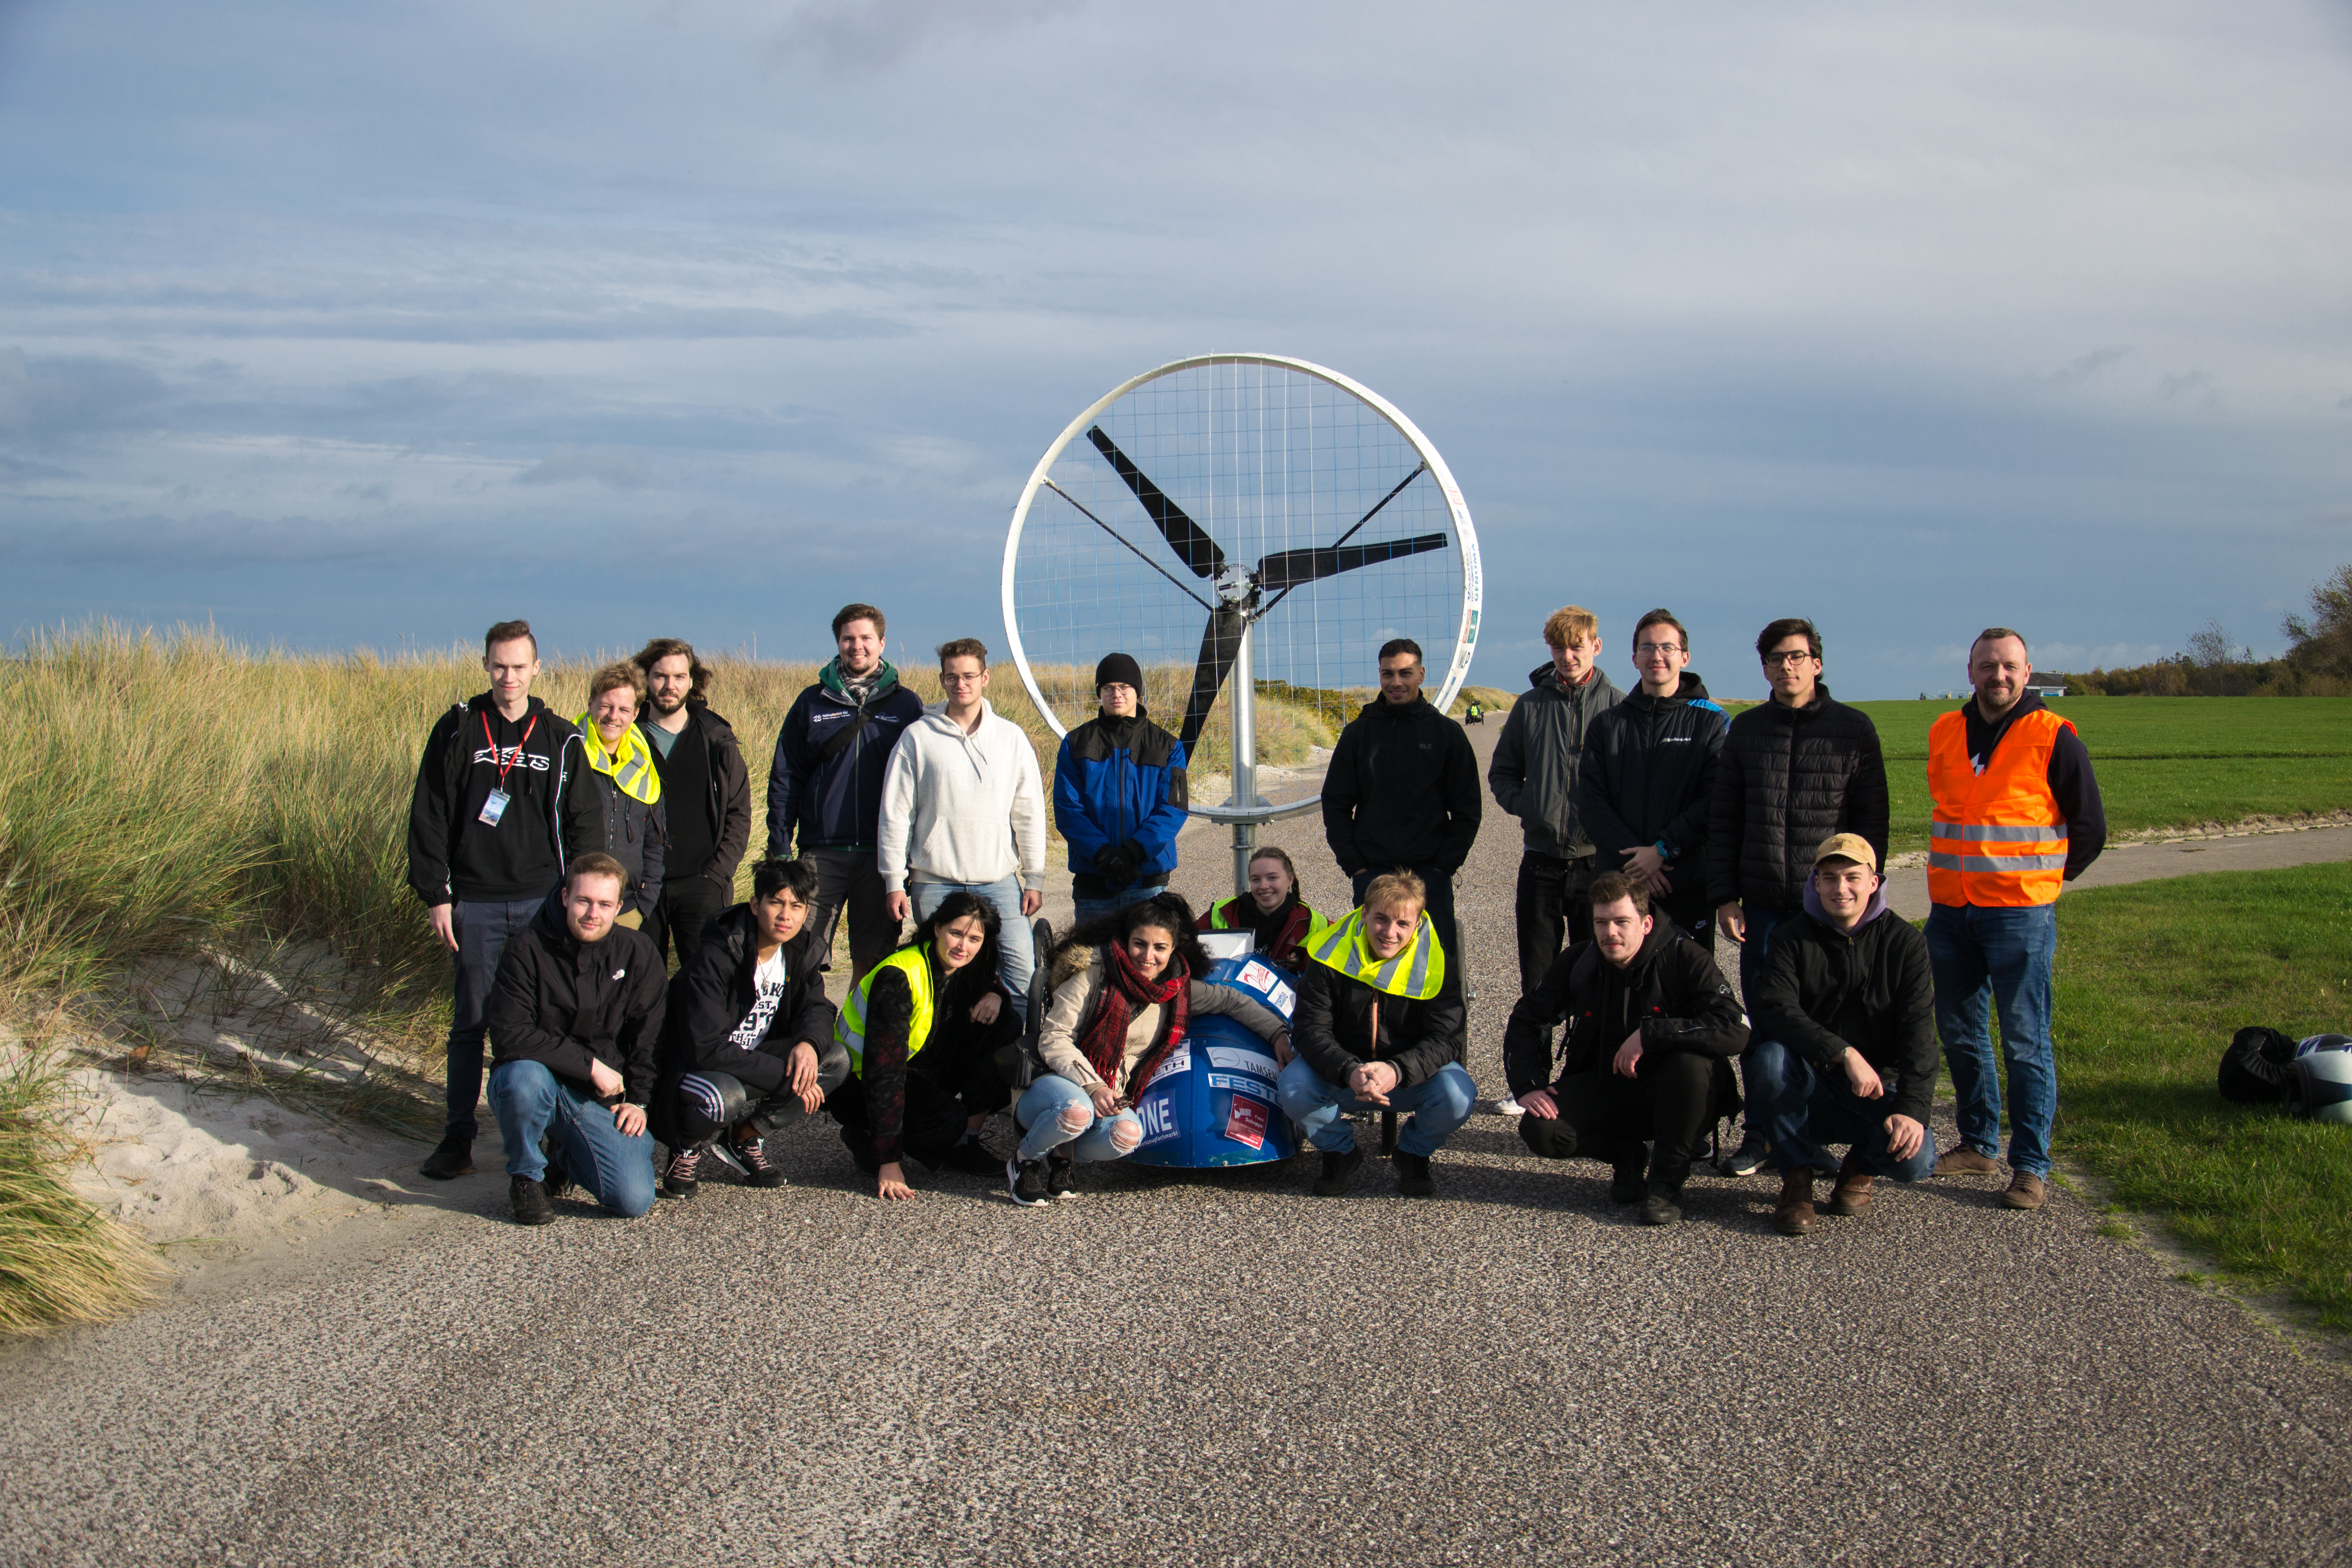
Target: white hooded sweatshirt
x=962 y=808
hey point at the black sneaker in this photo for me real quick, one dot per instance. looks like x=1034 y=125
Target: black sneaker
x=684 y=1175
x=759 y=1171
x=1748 y=1157
x=455 y=1157
x=1024 y=1182
x=530 y=1204
x=1339 y=1170
x=557 y=1181
x=1061 y=1175
x=971 y=1157
x=1628 y=1183
x=1659 y=1206
x=1412 y=1174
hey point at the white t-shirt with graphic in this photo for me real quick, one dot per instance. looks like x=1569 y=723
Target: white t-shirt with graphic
x=768 y=983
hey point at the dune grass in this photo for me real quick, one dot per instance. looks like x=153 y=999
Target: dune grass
x=2153 y=979
x=60 y=1261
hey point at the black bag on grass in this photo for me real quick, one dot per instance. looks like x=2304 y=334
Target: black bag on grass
x=2256 y=1067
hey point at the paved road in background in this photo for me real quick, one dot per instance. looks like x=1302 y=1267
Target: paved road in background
x=1177 y=1369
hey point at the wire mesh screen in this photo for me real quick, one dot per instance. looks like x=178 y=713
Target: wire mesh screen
x=1229 y=493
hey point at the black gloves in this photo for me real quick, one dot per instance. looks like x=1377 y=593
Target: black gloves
x=1118 y=864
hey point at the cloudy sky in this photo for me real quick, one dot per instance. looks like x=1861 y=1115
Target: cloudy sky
x=371 y=324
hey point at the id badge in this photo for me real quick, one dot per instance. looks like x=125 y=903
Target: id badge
x=495 y=807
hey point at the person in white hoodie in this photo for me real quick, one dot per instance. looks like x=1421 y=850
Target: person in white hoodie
x=963 y=809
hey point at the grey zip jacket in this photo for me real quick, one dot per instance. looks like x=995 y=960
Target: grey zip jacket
x=1538 y=754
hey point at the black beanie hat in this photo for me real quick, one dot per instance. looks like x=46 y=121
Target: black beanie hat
x=1119 y=669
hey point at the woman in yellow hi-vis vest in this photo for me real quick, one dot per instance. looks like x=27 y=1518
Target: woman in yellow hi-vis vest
x=923 y=1071
x=2017 y=814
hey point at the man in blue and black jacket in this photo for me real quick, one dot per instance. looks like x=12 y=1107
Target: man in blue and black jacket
x=826 y=780
x=1119 y=796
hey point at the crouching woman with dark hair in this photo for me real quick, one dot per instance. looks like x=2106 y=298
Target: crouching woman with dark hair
x=923 y=1077
x=1125 y=989
x=749 y=1048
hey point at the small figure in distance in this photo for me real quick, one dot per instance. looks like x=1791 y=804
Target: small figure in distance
x=923 y=1077
x=1473 y=714
x=833 y=751
x=708 y=791
x=576 y=1020
x=1379 y=1026
x=486 y=849
x=1280 y=920
x=1844 y=1047
x=2017 y=816
x=1126 y=988
x=1538 y=758
x=1650 y=1021
x=1793 y=772
x=750 y=1047
x=614 y=804
x=1401 y=789
x=964 y=811
x=1646 y=784
x=1120 y=796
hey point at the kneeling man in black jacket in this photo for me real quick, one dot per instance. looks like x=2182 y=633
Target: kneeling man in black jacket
x=1652 y=1024
x=749 y=1048
x=1845 y=1039
x=574 y=1020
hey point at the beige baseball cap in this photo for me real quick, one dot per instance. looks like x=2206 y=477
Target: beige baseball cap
x=1848 y=846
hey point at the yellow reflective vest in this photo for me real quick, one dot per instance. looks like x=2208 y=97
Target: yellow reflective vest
x=630 y=766
x=849 y=1025
x=1415 y=973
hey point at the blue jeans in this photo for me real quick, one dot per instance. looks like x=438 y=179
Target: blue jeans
x=530 y=1101
x=1800 y=1109
x=482 y=933
x=1016 y=954
x=1998 y=958
x=1095 y=909
x=1041 y=1108
x=1439 y=1104
x=1763 y=920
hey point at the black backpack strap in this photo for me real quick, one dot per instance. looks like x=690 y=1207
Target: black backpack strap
x=845 y=738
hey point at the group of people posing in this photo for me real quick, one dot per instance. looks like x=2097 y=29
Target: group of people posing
x=563 y=863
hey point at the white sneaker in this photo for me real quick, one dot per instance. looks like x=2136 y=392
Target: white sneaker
x=1506 y=1106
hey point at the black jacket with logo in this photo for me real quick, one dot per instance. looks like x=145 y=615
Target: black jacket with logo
x=1672 y=992
x=1402 y=790
x=835 y=802
x=1332 y=1027
x=1787 y=779
x=1536 y=758
x=1649 y=775
x=452 y=854
x=563 y=1003
x=1824 y=989
x=714 y=992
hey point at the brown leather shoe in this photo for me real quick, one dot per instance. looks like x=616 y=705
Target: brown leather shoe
x=1852 y=1195
x=1794 y=1216
x=1965 y=1162
x=2025 y=1192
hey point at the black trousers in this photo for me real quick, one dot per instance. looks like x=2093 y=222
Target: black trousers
x=1553 y=912
x=684 y=907
x=1604 y=1116
x=952 y=1080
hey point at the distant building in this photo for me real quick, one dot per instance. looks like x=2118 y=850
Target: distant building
x=2038 y=689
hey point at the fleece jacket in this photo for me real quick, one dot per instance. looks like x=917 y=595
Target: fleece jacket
x=959 y=807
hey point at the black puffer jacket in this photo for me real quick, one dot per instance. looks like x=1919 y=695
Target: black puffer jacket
x=1824 y=990
x=1649 y=775
x=1787 y=779
x=1401 y=789
x=1672 y=991
x=1534 y=772
x=563 y=1003
x=714 y=993
x=1332 y=1025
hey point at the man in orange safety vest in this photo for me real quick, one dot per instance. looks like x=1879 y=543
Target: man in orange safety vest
x=2016 y=816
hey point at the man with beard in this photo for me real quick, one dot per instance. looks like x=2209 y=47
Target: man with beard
x=708 y=792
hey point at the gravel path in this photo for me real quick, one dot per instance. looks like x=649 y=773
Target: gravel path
x=1177 y=1369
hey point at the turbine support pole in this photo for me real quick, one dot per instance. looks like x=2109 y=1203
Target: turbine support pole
x=1244 y=717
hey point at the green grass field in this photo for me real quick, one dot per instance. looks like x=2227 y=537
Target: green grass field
x=2162 y=761
x=2153 y=979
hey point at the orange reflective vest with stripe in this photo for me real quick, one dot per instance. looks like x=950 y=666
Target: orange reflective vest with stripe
x=1997 y=840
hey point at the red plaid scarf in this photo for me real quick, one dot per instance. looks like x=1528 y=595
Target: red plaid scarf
x=1124 y=990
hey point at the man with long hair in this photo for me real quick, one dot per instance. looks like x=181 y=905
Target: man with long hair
x=708 y=790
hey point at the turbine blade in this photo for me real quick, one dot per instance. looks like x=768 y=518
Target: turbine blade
x=1220 y=641
x=1288 y=568
x=1197 y=550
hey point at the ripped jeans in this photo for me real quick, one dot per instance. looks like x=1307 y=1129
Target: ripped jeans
x=1053 y=1098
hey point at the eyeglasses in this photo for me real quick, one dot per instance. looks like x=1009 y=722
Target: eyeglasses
x=1786 y=660
x=1650 y=649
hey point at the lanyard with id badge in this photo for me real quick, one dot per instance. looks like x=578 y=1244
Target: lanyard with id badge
x=496 y=805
